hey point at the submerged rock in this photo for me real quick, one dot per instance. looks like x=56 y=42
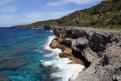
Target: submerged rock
x=12 y=63
x=4 y=78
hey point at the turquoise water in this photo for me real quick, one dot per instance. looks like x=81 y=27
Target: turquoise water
x=20 y=53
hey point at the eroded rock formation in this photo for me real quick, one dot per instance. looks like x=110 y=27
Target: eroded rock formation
x=99 y=49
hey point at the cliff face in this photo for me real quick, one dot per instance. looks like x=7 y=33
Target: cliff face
x=99 y=49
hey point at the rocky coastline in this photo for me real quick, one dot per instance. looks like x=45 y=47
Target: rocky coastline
x=98 y=49
x=66 y=51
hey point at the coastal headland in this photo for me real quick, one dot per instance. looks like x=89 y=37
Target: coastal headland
x=98 y=49
x=90 y=37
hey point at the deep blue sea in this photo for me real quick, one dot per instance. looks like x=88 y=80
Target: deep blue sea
x=21 y=52
x=25 y=55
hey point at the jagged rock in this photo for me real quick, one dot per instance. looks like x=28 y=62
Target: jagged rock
x=79 y=43
x=99 y=49
x=66 y=51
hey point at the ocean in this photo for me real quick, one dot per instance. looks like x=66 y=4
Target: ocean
x=25 y=55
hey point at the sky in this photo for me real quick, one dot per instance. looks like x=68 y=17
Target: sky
x=18 y=12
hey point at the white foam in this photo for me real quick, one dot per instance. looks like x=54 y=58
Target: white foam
x=50 y=31
x=66 y=70
x=46 y=46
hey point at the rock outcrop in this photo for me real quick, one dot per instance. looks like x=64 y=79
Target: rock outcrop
x=99 y=49
x=66 y=52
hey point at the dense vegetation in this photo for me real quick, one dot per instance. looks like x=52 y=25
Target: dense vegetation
x=105 y=14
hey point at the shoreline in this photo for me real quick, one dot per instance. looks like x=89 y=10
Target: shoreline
x=69 y=67
x=67 y=53
x=99 y=49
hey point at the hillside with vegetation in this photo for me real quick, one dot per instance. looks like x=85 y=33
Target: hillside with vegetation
x=105 y=14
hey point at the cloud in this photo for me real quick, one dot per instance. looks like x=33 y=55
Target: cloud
x=5 y=2
x=66 y=2
x=8 y=6
x=15 y=12
x=10 y=20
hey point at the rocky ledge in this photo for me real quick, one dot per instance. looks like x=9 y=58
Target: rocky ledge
x=66 y=51
x=98 y=49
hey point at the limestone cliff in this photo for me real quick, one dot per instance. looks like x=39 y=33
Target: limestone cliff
x=99 y=49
